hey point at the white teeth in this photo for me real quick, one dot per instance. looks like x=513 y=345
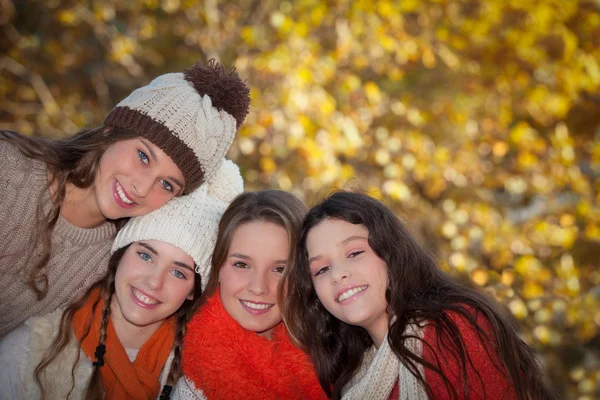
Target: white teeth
x=122 y=196
x=143 y=298
x=257 y=306
x=349 y=293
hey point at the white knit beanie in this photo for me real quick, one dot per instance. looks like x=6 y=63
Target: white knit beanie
x=189 y=222
x=192 y=116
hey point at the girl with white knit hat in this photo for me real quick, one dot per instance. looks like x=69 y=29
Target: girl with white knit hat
x=122 y=340
x=62 y=201
x=236 y=346
x=382 y=321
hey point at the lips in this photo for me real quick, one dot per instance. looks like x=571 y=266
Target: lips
x=143 y=300
x=350 y=292
x=121 y=196
x=256 y=308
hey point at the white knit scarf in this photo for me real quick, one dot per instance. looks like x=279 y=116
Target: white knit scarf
x=381 y=369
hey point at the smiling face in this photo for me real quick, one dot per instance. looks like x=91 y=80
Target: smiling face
x=349 y=278
x=135 y=177
x=248 y=279
x=153 y=280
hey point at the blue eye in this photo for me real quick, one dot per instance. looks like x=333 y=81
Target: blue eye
x=168 y=187
x=144 y=256
x=322 y=270
x=179 y=274
x=143 y=157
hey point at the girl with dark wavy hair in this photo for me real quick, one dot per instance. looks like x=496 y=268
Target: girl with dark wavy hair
x=123 y=339
x=62 y=201
x=381 y=320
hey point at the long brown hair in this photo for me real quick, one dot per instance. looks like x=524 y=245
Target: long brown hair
x=94 y=390
x=71 y=160
x=418 y=292
x=275 y=206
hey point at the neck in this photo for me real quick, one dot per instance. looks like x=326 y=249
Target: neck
x=130 y=335
x=80 y=208
x=378 y=329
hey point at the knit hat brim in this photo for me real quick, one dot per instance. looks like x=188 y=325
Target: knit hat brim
x=181 y=154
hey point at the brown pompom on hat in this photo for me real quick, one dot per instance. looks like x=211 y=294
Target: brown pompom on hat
x=192 y=116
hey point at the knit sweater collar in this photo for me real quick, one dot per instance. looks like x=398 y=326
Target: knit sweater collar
x=225 y=361
x=64 y=229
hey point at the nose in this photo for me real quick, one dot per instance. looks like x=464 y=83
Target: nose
x=257 y=284
x=339 y=273
x=155 y=280
x=142 y=185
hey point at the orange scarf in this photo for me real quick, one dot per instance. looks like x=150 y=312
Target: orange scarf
x=226 y=361
x=121 y=378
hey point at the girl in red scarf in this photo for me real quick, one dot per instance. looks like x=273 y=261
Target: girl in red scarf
x=122 y=340
x=236 y=346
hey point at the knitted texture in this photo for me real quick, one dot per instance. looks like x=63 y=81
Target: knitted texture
x=189 y=222
x=486 y=377
x=22 y=350
x=223 y=361
x=79 y=256
x=381 y=369
x=179 y=117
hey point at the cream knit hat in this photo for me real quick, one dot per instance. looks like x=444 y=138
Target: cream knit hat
x=192 y=116
x=189 y=222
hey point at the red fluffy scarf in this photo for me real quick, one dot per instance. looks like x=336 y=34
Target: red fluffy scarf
x=226 y=361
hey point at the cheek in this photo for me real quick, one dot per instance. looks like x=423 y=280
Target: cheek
x=274 y=284
x=159 y=197
x=182 y=291
x=127 y=273
x=230 y=281
x=319 y=287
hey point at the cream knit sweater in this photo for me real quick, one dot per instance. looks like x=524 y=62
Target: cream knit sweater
x=22 y=350
x=79 y=256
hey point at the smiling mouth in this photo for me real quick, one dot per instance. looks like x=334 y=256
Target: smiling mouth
x=256 y=306
x=351 y=292
x=143 y=298
x=122 y=196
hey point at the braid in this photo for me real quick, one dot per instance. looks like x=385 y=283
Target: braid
x=94 y=390
x=183 y=316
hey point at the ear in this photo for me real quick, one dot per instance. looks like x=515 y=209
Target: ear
x=190 y=296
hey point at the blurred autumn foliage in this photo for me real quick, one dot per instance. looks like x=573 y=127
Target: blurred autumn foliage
x=478 y=121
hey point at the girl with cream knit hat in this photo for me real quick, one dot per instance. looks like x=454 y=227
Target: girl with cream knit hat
x=122 y=340
x=62 y=201
x=236 y=346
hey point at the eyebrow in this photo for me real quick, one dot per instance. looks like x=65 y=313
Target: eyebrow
x=351 y=238
x=178 y=263
x=345 y=241
x=244 y=257
x=175 y=180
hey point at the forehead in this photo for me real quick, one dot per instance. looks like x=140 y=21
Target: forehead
x=260 y=240
x=166 y=250
x=333 y=232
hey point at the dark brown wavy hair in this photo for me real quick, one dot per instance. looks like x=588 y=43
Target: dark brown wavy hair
x=94 y=390
x=418 y=292
x=72 y=160
x=274 y=206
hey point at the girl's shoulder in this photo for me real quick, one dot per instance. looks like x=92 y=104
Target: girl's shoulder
x=22 y=350
x=11 y=154
x=485 y=375
x=17 y=168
